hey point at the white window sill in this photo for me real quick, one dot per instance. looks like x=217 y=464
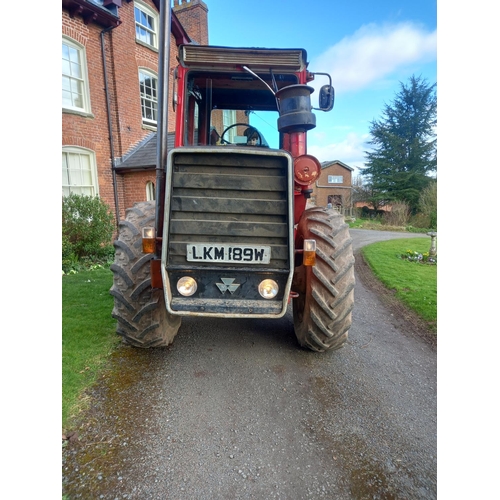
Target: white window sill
x=149 y=126
x=77 y=112
x=144 y=44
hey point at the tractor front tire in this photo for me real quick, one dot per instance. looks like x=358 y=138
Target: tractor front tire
x=322 y=311
x=142 y=318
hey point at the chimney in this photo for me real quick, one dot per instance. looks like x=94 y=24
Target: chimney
x=193 y=15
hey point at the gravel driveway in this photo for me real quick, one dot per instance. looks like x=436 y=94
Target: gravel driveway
x=234 y=409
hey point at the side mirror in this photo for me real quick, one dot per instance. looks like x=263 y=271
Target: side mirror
x=326 y=98
x=326 y=94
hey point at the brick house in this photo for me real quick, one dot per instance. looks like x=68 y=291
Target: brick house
x=334 y=185
x=110 y=85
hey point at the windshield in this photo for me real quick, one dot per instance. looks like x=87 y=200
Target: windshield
x=233 y=108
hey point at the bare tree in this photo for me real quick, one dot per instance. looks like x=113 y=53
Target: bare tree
x=362 y=191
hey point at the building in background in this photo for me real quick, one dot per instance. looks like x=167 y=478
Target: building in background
x=110 y=93
x=334 y=186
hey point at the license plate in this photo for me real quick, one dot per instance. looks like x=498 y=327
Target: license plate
x=230 y=254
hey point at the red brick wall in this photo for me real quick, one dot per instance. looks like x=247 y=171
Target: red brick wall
x=91 y=131
x=193 y=15
x=124 y=57
x=135 y=186
x=322 y=189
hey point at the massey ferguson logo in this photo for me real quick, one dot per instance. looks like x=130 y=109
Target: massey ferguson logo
x=227 y=284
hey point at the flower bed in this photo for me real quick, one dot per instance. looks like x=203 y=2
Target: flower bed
x=422 y=258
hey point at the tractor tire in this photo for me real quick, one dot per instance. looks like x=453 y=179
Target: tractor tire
x=322 y=311
x=142 y=318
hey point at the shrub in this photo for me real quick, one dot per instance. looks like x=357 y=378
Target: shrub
x=87 y=228
x=420 y=220
x=370 y=213
x=399 y=214
x=69 y=259
x=428 y=203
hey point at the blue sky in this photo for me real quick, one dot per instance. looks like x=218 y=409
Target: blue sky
x=367 y=47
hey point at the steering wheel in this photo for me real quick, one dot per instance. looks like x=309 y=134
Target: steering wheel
x=240 y=125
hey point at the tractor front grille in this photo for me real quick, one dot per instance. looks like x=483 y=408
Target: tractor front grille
x=229 y=197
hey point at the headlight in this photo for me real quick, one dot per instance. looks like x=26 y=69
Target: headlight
x=268 y=289
x=186 y=286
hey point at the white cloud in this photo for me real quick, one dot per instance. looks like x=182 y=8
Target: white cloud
x=351 y=150
x=375 y=51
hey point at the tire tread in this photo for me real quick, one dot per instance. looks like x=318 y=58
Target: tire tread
x=140 y=312
x=323 y=314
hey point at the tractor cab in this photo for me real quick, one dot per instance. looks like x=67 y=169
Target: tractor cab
x=233 y=101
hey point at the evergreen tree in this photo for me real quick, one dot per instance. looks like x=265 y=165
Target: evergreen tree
x=404 y=141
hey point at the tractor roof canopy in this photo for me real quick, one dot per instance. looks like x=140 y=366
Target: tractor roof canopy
x=213 y=58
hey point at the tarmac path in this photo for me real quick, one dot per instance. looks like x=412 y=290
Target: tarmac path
x=234 y=409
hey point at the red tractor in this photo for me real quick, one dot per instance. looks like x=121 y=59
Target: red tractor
x=229 y=234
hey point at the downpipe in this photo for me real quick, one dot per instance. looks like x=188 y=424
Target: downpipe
x=110 y=126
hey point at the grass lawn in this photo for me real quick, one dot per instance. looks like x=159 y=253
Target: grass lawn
x=415 y=284
x=365 y=224
x=88 y=334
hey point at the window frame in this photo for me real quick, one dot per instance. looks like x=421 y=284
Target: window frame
x=341 y=177
x=150 y=191
x=84 y=79
x=145 y=120
x=148 y=11
x=93 y=171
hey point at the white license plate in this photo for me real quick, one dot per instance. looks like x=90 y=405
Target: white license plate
x=239 y=254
